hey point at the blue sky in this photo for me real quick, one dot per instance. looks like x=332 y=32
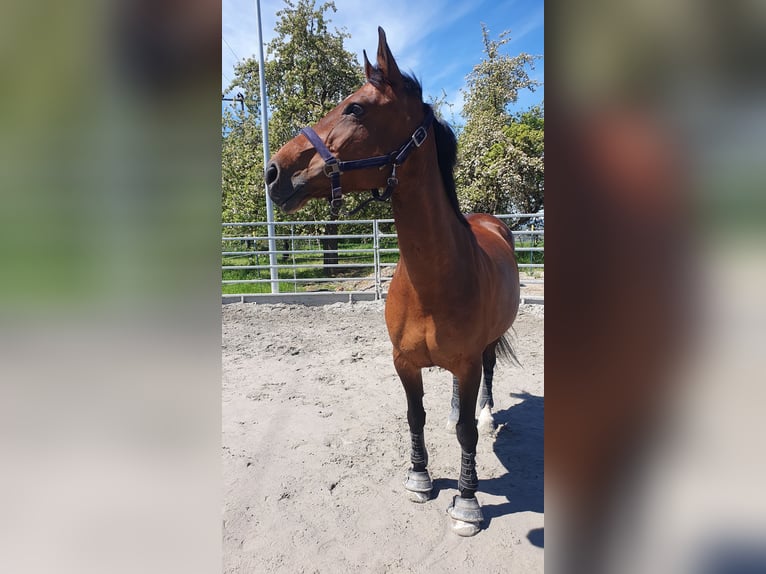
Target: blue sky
x=438 y=40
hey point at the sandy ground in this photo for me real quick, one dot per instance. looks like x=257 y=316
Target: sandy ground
x=316 y=449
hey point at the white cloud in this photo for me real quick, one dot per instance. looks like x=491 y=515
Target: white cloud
x=532 y=23
x=406 y=26
x=416 y=34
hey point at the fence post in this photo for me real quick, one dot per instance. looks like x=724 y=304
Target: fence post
x=376 y=258
x=292 y=255
x=273 y=271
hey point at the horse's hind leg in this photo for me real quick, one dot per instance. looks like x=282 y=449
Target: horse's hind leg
x=486 y=402
x=465 y=510
x=454 y=413
x=418 y=482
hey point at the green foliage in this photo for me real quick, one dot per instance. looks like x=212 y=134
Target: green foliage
x=309 y=71
x=526 y=136
x=495 y=82
x=242 y=185
x=500 y=156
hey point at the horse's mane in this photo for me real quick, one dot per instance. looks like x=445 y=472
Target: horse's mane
x=446 y=142
x=446 y=153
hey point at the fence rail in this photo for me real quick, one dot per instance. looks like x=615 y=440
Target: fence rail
x=357 y=256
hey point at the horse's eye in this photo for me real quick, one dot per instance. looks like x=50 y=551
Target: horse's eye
x=354 y=110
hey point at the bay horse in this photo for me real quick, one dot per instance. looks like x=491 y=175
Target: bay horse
x=455 y=291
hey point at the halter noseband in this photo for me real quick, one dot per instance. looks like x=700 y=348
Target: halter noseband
x=333 y=167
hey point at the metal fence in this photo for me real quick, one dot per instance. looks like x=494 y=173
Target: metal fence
x=339 y=256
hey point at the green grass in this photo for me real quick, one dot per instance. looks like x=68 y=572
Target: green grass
x=530 y=256
x=286 y=275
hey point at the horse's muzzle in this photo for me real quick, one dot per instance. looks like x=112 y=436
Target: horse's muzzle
x=272 y=174
x=275 y=183
x=281 y=189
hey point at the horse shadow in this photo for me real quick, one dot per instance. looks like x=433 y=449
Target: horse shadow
x=518 y=445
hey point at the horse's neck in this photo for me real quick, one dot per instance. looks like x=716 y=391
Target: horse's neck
x=432 y=241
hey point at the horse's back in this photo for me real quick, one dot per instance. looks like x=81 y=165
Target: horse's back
x=495 y=241
x=483 y=224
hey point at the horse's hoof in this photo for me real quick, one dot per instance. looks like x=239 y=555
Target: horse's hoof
x=418 y=486
x=486 y=422
x=451 y=426
x=419 y=497
x=466 y=515
x=464 y=528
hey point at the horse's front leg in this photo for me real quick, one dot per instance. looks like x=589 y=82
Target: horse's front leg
x=418 y=482
x=465 y=510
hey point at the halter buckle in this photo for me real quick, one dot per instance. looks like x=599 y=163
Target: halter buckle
x=331 y=168
x=335 y=204
x=419 y=136
x=392 y=181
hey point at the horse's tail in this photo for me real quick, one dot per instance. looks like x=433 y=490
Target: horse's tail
x=504 y=350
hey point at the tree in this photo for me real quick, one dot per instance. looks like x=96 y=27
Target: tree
x=243 y=195
x=500 y=157
x=525 y=154
x=308 y=72
x=242 y=186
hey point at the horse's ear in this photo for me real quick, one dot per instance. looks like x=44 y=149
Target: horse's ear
x=367 y=66
x=386 y=62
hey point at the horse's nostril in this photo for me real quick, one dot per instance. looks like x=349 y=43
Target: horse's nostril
x=272 y=172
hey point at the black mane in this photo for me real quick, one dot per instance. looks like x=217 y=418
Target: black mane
x=446 y=143
x=446 y=154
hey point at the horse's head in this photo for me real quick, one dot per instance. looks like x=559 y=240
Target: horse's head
x=371 y=124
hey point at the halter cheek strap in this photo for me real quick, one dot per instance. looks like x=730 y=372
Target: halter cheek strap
x=333 y=167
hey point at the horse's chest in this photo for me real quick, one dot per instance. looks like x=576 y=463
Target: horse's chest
x=425 y=342
x=424 y=337
x=413 y=343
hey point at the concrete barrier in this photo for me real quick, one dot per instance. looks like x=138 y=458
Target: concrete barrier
x=324 y=298
x=320 y=298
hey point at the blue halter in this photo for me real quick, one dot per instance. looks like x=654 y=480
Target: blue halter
x=334 y=167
